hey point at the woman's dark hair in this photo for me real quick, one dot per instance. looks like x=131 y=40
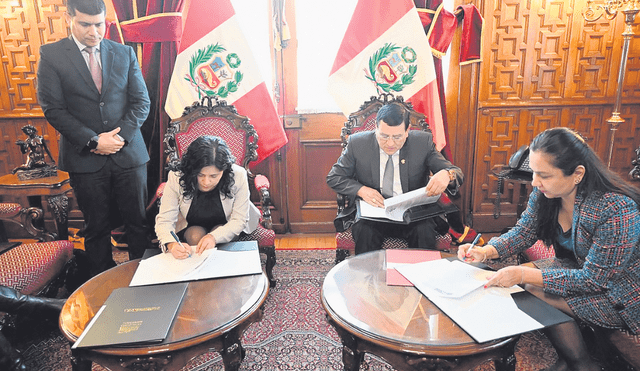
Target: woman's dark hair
x=568 y=150
x=206 y=151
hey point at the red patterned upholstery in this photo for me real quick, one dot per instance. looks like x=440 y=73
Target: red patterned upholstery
x=28 y=268
x=214 y=117
x=9 y=210
x=265 y=237
x=344 y=241
x=539 y=251
x=214 y=126
x=261 y=182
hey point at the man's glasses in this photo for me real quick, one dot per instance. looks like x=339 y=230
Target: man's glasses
x=385 y=137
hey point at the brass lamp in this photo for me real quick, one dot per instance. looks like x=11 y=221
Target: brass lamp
x=610 y=10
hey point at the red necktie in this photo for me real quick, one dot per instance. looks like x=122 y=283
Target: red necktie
x=94 y=67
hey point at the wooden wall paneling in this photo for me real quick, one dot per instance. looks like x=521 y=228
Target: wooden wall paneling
x=24 y=26
x=627 y=139
x=311 y=152
x=543 y=66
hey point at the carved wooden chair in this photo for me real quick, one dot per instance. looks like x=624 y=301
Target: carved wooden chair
x=365 y=120
x=38 y=268
x=215 y=117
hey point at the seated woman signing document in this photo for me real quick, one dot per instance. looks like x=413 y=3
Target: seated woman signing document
x=206 y=202
x=591 y=217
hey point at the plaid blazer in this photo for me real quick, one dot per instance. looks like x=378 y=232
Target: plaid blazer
x=605 y=289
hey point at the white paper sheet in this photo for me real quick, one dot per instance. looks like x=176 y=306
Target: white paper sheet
x=485 y=314
x=448 y=278
x=165 y=268
x=395 y=207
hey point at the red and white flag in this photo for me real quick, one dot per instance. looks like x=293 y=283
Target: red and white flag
x=385 y=49
x=215 y=59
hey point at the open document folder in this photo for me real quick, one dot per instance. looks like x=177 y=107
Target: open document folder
x=457 y=289
x=234 y=259
x=395 y=207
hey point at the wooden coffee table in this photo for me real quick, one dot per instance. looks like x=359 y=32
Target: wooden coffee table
x=213 y=315
x=398 y=323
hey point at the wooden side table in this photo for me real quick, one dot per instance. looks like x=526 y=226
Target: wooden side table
x=213 y=316
x=54 y=189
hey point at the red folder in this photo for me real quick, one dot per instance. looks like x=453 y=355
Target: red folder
x=406 y=256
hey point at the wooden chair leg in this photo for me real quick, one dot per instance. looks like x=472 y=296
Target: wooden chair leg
x=341 y=254
x=270 y=252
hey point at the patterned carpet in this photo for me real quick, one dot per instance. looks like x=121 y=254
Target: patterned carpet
x=293 y=334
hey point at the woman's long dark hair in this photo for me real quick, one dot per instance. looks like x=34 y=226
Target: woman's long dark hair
x=206 y=151
x=568 y=150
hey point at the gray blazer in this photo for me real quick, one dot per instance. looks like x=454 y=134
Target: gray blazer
x=359 y=165
x=74 y=107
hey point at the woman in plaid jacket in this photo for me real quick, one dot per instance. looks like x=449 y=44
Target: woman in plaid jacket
x=592 y=218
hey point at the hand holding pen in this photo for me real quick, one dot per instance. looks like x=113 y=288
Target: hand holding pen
x=181 y=251
x=469 y=253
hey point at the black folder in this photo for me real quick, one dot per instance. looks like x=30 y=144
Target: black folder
x=134 y=316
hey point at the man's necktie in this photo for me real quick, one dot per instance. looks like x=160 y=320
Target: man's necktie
x=94 y=67
x=387 y=179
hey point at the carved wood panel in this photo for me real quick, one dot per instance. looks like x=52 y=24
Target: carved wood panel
x=544 y=51
x=502 y=131
x=542 y=66
x=24 y=27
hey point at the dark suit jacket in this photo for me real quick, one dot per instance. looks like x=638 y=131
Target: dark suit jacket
x=359 y=165
x=74 y=107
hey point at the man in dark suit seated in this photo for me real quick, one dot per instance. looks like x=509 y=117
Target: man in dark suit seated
x=92 y=91
x=389 y=161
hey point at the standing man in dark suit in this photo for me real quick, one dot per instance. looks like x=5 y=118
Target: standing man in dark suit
x=408 y=158
x=92 y=91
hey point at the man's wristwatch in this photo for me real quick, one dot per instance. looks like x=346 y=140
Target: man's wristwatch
x=452 y=175
x=93 y=143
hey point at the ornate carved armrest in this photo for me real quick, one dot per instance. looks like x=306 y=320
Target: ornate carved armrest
x=25 y=218
x=634 y=174
x=155 y=201
x=342 y=202
x=262 y=185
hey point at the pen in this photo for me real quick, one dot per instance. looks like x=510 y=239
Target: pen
x=473 y=244
x=178 y=241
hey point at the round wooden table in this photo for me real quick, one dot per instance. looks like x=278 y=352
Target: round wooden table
x=213 y=315
x=398 y=323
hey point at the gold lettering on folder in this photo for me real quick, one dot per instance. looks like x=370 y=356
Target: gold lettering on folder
x=130 y=326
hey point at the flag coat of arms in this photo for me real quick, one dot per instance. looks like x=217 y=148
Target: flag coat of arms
x=214 y=59
x=385 y=50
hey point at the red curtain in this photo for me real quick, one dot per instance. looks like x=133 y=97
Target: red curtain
x=153 y=28
x=440 y=26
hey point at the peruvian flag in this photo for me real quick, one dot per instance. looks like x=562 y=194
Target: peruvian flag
x=385 y=50
x=215 y=59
